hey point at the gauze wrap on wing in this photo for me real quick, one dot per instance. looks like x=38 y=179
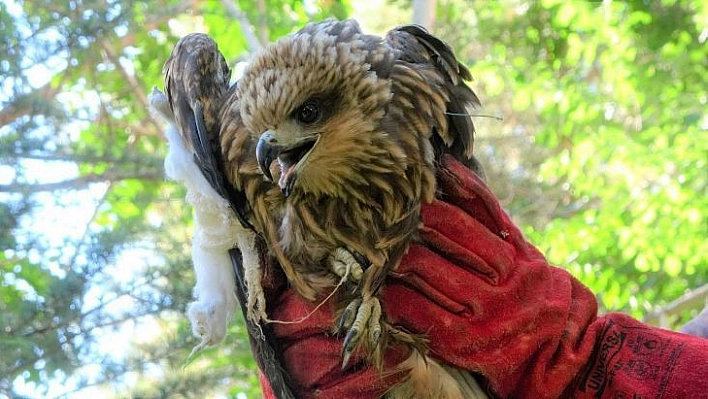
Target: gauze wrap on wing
x=216 y=230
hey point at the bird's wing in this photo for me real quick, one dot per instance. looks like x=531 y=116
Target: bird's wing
x=196 y=81
x=441 y=96
x=261 y=337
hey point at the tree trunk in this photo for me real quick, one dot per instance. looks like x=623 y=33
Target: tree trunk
x=424 y=13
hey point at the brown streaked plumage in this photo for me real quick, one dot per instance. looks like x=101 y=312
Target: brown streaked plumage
x=196 y=79
x=356 y=123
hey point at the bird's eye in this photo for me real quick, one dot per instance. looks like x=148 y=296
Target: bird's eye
x=309 y=112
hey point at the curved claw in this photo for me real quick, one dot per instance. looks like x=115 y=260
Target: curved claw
x=374 y=323
x=350 y=343
x=346 y=354
x=366 y=323
x=350 y=339
x=361 y=259
x=347 y=318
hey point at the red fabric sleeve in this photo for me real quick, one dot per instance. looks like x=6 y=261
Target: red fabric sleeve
x=489 y=302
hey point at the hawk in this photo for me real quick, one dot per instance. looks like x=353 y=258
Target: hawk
x=357 y=124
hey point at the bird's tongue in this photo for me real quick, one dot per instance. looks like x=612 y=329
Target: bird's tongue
x=286 y=171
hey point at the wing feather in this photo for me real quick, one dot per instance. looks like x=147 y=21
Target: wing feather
x=442 y=74
x=196 y=82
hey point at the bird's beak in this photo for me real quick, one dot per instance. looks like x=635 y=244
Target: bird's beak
x=289 y=155
x=267 y=150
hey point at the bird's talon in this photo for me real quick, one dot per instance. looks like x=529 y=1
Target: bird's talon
x=351 y=340
x=343 y=321
x=347 y=319
x=361 y=259
x=356 y=273
x=374 y=325
x=345 y=358
x=339 y=268
x=347 y=264
x=375 y=336
x=366 y=323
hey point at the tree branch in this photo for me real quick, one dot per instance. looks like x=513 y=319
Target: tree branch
x=424 y=13
x=20 y=106
x=246 y=27
x=693 y=299
x=155 y=22
x=78 y=182
x=262 y=30
x=133 y=82
x=23 y=104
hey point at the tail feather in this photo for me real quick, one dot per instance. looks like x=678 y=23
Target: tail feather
x=428 y=379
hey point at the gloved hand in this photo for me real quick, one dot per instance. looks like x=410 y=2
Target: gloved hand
x=490 y=303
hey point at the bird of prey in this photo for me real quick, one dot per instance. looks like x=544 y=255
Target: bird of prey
x=357 y=124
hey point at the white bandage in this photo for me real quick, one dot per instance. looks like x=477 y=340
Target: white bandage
x=216 y=231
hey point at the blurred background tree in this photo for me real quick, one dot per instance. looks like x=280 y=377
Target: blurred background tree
x=600 y=157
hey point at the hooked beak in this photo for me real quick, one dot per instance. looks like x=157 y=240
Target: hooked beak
x=267 y=150
x=289 y=157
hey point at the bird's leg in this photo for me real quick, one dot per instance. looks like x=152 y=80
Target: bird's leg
x=362 y=317
x=367 y=322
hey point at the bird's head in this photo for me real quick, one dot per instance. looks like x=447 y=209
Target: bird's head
x=314 y=101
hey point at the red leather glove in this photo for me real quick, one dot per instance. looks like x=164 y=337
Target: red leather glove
x=490 y=303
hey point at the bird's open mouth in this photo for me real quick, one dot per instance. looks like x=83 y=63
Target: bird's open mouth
x=289 y=159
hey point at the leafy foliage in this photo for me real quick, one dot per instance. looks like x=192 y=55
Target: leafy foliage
x=601 y=156
x=615 y=93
